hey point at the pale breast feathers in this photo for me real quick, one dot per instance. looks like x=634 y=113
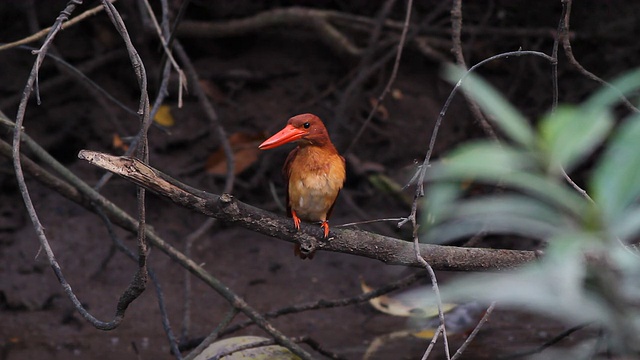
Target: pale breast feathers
x=312 y=192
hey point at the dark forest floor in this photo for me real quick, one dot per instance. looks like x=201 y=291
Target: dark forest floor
x=257 y=81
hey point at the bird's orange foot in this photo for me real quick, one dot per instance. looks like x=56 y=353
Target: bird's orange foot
x=325 y=226
x=296 y=220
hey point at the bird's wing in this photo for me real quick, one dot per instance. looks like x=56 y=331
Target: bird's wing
x=338 y=193
x=286 y=174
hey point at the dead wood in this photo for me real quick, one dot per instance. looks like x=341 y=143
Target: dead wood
x=229 y=210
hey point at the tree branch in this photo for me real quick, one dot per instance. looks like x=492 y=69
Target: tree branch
x=226 y=208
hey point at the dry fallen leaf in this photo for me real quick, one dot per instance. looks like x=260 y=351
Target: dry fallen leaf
x=397 y=94
x=407 y=303
x=213 y=91
x=163 y=116
x=459 y=320
x=245 y=153
x=118 y=144
x=425 y=334
x=382 y=110
x=423 y=315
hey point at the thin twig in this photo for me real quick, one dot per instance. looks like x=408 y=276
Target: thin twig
x=580 y=190
x=456 y=34
x=210 y=113
x=392 y=78
x=119 y=244
x=563 y=29
x=231 y=211
x=420 y=175
x=188 y=244
x=159 y=100
x=364 y=68
x=304 y=17
x=214 y=335
x=317 y=20
x=566 y=44
x=44 y=32
x=360 y=243
x=554 y=64
x=556 y=339
x=86 y=196
x=368 y=222
x=420 y=192
x=316 y=346
x=243 y=347
x=165 y=45
x=38 y=227
x=475 y=331
x=326 y=304
x=436 y=290
x=80 y=70
x=139 y=282
x=364 y=72
x=432 y=343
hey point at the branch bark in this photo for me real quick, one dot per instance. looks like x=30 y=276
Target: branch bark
x=227 y=209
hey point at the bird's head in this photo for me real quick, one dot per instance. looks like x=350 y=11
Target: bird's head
x=306 y=129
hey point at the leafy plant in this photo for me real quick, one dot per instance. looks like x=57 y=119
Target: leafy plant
x=590 y=271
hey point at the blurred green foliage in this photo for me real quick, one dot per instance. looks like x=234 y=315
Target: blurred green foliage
x=590 y=271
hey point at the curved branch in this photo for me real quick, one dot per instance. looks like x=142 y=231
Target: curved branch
x=78 y=191
x=293 y=16
x=568 y=51
x=125 y=298
x=226 y=208
x=44 y=32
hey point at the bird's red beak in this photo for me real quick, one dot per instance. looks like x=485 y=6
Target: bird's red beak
x=286 y=135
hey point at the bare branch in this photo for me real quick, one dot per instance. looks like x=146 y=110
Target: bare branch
x=556 y=339
x=392 y=78
x=130 y=293
x=210 y=113
x=456 y=32
x=42 y=33
x=325 y=304
x=327 y=24
x=566 y=44
x=213 y=336
x=295 y=16
x=84 y=195
x=226 y=208
x=475 y=331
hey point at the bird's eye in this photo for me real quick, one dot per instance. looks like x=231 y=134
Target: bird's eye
x=306 y=125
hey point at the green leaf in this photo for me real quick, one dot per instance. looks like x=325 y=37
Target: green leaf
x=545 y=189
x=489 y=224
x=510 y=205
x=439 y=200
x=608 y=96
x=505 y=214
x=482 y=159
x=500 y=111
x=493 y=164
x=570 y=134
x=627 y=226
x=407 y=303
x=552 y=287
x=616 y=181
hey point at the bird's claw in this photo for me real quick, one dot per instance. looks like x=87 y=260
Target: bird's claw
x=325 y=226
x=296 y=220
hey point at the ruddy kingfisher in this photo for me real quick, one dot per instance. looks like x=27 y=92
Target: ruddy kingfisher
x=314 y=172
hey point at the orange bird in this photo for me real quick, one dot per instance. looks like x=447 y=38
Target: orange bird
x=314 y=172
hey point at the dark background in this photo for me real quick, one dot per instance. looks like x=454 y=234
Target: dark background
x=257 y=80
